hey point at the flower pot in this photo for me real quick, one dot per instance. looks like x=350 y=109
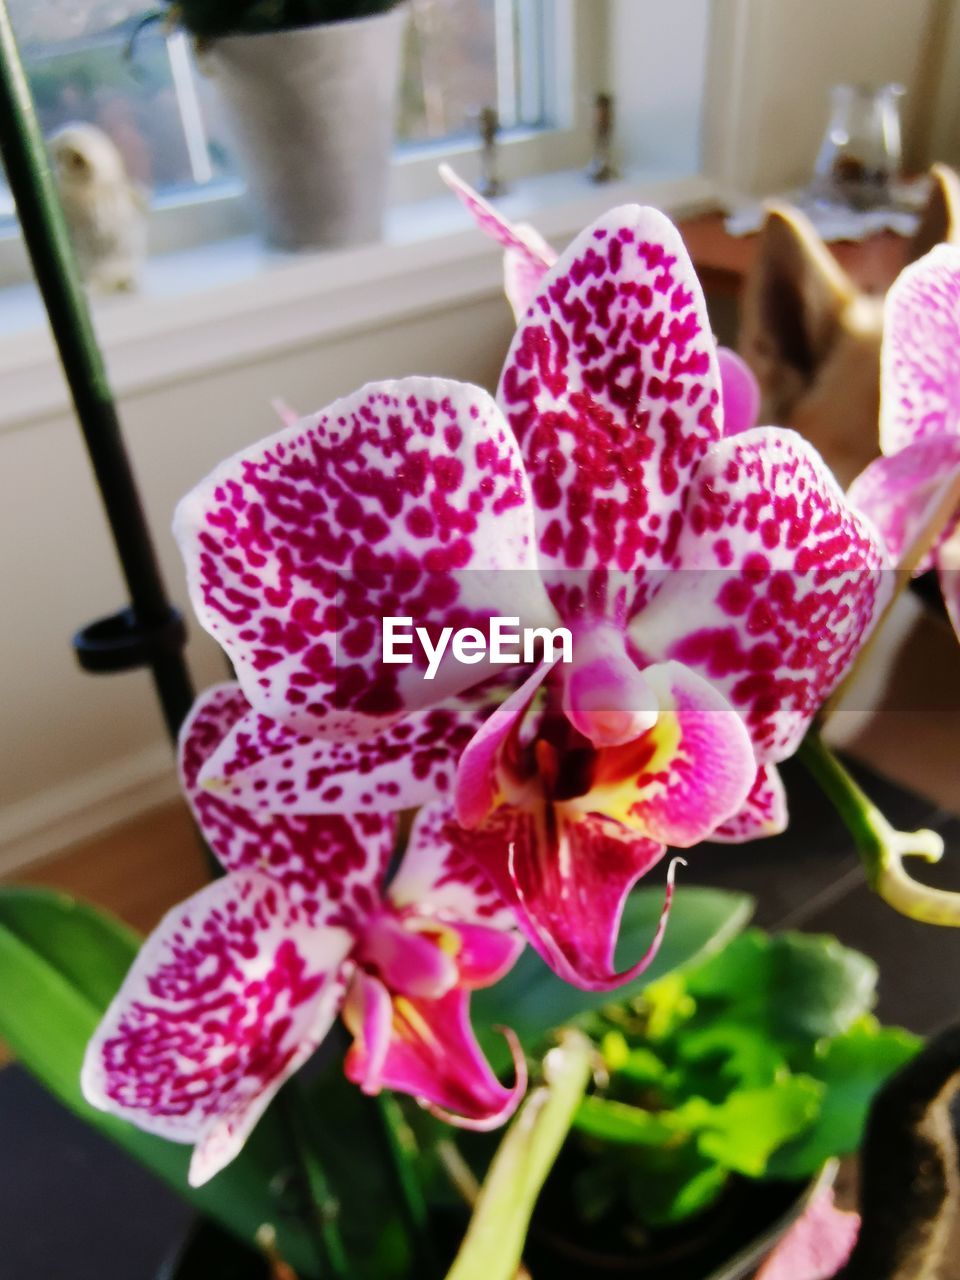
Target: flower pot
x=727 y=1242
x=311 y=111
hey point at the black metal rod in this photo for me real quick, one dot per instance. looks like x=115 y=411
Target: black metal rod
x=46 y=238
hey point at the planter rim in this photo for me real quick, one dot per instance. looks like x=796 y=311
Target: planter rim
x=208 y=42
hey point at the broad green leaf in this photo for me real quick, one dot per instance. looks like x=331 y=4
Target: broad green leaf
x=743 y=1132
x=625 y=1125
x=533 y=1000
x=60 y=964
x=851 y=1068
x=493 y=1245
x=739 y=1133
x=734 y=1053
x=801 y=986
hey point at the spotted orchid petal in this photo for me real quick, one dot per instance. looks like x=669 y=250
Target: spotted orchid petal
x=527 y=256
x=691 y=771
x=778 y=582
x=919 y=369
x=227 y=998
x=764 y=812
x=902 y=492
x=332 y=865
x=406 y=499
x=427 y=1048
x=261 y=764
x=566 y=875
x=739 y=393
x=612 y=388
x=437 y=878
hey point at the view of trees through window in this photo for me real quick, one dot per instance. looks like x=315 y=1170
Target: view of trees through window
x=94 y=60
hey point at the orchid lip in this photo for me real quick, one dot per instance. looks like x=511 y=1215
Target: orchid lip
x=408 y=959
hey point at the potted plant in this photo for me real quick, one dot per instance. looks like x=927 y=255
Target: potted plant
x=721 y=1095
x=310 y=88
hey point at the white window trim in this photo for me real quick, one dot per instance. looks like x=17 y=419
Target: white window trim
x=263 y=304
x=576 y=37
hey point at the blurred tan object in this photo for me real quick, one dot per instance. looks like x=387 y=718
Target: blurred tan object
x=491 y=184
x=105 y=211
x=812 y=337
x=601 y=167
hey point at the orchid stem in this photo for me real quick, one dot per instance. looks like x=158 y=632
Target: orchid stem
x=400 y=1150
x=881 y=847
x=323 y=1206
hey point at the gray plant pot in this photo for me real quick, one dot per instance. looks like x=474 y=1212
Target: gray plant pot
x=312 y=115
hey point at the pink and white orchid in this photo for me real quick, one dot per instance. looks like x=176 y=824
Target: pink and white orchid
x=716 y=589
x=238 y=986
x=527 y=258
x=919 y=418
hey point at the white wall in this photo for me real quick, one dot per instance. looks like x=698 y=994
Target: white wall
x=772 y=64
x=78 y=751
x=657 y=63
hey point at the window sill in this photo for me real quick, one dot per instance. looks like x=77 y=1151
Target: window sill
x=230 y=302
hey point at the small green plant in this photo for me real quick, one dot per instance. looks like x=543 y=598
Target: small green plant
x=208 y=19
x=760 y=1062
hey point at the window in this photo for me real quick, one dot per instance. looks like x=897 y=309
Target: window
x=94 y=60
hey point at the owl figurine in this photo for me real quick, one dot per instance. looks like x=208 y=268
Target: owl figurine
x=105 y=211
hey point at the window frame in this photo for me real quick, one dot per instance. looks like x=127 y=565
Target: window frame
x=574 y=48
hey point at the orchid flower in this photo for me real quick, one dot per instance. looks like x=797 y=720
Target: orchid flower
x=238 y=985
x=716 y=590
x=914 y=487
x=527 y=258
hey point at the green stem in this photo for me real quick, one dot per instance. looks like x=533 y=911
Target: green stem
x=323 y=1206
x=881 y=847
x=399 y=1148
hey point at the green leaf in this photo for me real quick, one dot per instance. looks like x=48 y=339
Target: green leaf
x=493 y=1245
x=60 y=964
x=802 y=986
x=533 y=1000
x=739 y=1133
x=742 y=1132
x=620 y=1123
x=851 y=1069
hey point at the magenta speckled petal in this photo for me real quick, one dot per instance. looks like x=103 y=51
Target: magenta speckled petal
x=739 y=392
x=764 y=812
x=527 y=256
x=919 y=364
x=438 y=877
x=901 y=493
x=331 y=866
x=433 y=1055
x=405 y=499
x=261 y=764
x=691 y=771
x=227 y=998
x=612 y=388
x=778 y=582
x=566 y=876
